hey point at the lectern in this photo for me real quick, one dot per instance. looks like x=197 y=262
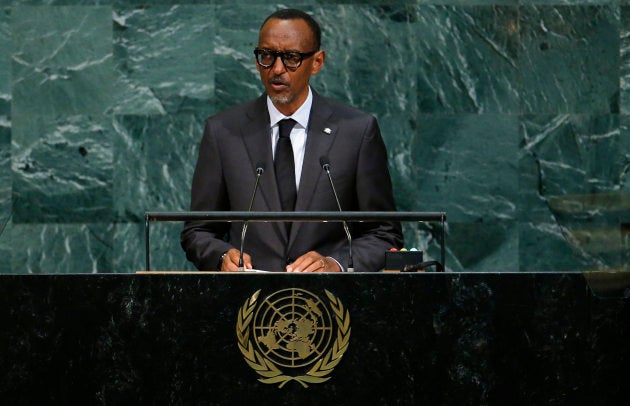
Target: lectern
x=243 y=338
x=310 y=216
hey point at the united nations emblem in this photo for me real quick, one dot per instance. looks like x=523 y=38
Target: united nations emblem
x=291 y=335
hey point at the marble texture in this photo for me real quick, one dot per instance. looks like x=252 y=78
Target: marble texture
x=236 y=76
x=558 y=46
x=5 y=58
x=62 y=248
x=468 y=59
x=61 y=60
x=482 y=208
x=574 y=172
x=449 y=339
x=62 y=169
x=129 y=253
x=154 y=157
x=5 y=193
x=164 y=59
x=511 y=116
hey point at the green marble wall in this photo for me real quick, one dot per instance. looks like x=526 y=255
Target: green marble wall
x=511 y=116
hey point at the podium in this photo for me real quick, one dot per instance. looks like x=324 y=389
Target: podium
x=284 y=216
x=419 y=338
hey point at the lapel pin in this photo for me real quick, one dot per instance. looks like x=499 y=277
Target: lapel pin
x=327 y=130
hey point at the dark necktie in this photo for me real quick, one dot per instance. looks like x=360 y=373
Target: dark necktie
x=284 y=166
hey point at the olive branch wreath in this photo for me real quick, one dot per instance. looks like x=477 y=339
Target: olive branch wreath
x=269 y=372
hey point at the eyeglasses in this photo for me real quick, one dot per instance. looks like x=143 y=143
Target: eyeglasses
x=291 y=59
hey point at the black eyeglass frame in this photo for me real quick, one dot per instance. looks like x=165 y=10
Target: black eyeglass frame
x=282 y=54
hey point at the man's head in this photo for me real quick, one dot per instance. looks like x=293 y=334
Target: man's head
x=287 y=55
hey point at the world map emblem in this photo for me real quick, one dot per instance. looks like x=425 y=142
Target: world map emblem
x=293 y=335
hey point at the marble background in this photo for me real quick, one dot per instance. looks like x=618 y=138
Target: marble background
x=511 y=116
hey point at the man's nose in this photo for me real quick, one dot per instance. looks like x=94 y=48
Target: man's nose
x=278 y=66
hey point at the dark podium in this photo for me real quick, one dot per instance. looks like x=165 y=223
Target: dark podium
x=405 y=339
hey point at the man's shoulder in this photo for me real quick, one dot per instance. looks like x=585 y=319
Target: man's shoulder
x=237 y=111
x=340 y=108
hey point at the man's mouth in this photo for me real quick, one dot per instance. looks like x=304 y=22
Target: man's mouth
x=279 y=84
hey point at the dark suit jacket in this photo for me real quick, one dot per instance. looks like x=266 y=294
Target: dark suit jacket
x=237 y=140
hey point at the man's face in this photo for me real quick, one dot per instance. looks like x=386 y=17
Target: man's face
x=287 y=88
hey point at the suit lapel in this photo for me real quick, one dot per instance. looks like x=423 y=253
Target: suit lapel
x=257 y=139
x=321 y=134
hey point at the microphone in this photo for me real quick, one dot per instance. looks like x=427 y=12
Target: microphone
x=325 y=163
x=260 y=169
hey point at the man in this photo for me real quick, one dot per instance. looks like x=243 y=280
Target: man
x=238 y=141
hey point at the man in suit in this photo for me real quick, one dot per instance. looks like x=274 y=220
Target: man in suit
x=255 y=134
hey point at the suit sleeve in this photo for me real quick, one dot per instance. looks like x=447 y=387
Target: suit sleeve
x=370 y=240
x=205 y=242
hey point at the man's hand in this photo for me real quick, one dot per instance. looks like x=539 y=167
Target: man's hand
x=313 y=262
x=230 y=262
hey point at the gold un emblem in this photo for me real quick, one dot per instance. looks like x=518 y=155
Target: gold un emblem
x=291 y=335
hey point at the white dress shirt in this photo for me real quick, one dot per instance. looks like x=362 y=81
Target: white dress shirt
x=298 y=133
x=298 y=136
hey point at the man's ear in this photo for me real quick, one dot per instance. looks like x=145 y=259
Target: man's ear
x=318 y=62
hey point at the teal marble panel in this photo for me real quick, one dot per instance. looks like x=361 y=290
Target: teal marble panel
x=412 y=3
x=424 y=237
x=453 y=163
x=166 y=254
x=5 y=62
x=572 y=2
x=164 y=59
x=57 y=2
x=300 y=4
x=367 y=65
x=569 y=59
x=154 y=162
x=210 y=2
x=625 y=135
x=483 y=246
x=5 y=169
x=5 y=193
x=573 y=188
x=129 y=248
x=6 y=247
x=236 y=37
x=62 y=169
x=62 y=60
x=543 y=247
x=61 y=248
x=624 y=186
x=467 y=59
x=533 y=205
x=624 y=51
x=576 y=154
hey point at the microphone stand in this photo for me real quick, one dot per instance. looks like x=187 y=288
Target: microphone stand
x=259 y=171
x=326 y=167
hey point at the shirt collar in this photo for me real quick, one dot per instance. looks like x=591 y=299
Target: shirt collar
x=301 y=115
